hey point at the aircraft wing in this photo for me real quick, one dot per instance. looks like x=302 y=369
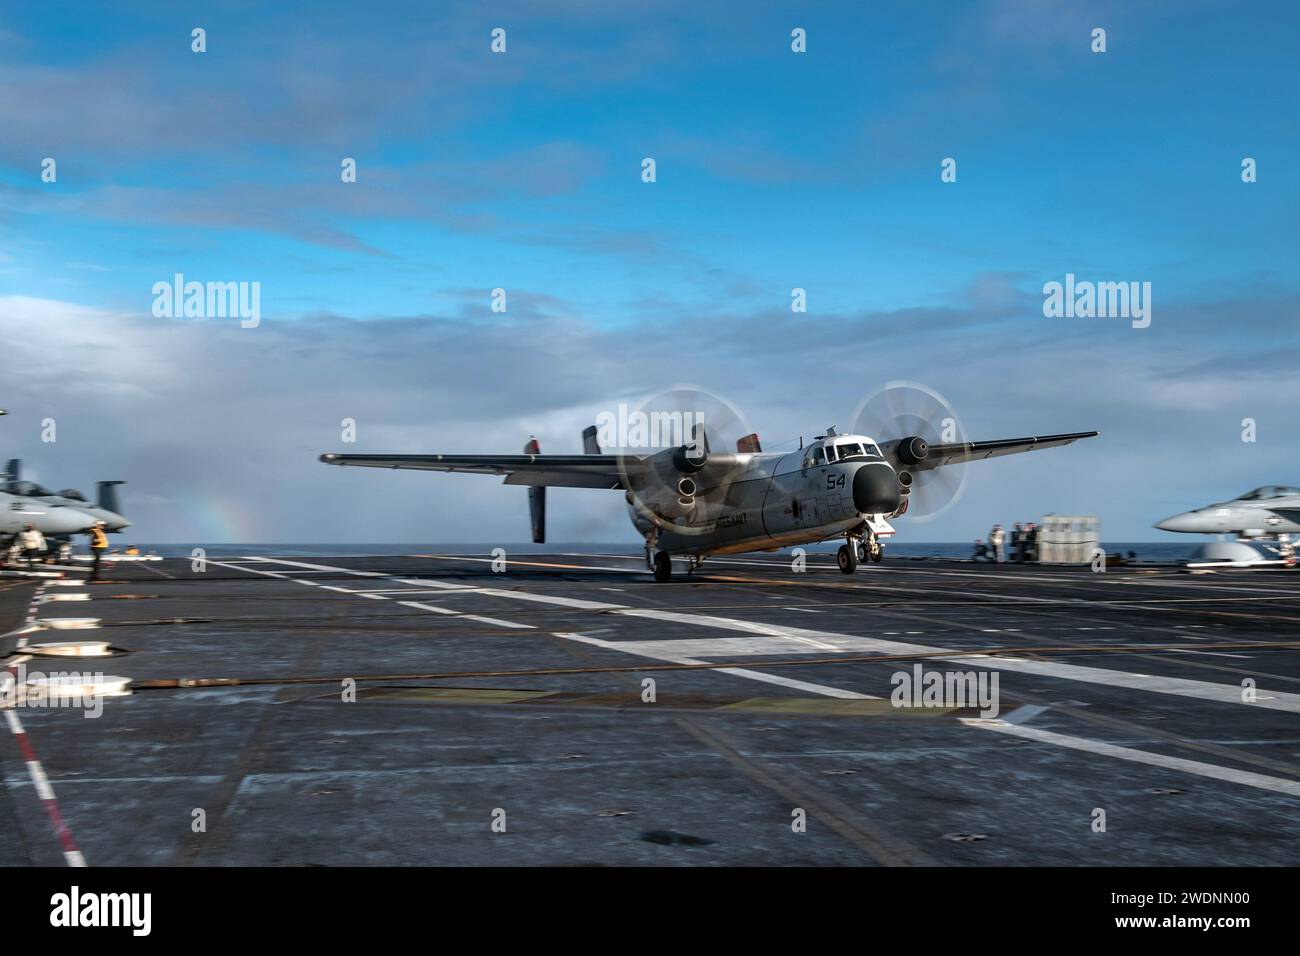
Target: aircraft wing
x=954 y=452
x=556 y=471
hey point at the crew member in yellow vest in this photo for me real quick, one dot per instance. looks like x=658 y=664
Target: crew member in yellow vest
x=98 y=545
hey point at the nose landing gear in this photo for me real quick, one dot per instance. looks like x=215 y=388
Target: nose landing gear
x=847 y=558
x=859 y=548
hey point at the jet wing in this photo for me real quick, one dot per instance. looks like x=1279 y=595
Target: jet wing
x=556 y=471
x=953 y=452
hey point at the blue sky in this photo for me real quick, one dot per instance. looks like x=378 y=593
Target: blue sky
x=522 y=170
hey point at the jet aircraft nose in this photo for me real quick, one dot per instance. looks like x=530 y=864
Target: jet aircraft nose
x=875 y=489
x=1187 y=521
x=112 y=520
x=67 y=521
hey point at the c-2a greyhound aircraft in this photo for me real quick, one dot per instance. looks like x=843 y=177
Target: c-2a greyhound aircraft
x=693 y=501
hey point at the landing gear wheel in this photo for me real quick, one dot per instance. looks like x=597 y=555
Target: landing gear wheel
x=847 y=559
x=663 y=567
x=878 y=553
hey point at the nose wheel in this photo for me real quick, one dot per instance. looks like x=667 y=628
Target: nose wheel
x=862 y=550
x=847 y=558
x=663 y=567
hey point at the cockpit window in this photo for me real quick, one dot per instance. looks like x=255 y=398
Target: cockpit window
x=817 y=456
x=1269 y=491
x=850 y=450
x=831 y=453
x=72 y=494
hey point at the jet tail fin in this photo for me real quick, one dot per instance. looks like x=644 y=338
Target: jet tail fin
x=107 y=496
x=590 y=444
x=749 y=444
x=13 y=470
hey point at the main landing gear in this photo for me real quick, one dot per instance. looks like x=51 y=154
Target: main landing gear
x=658 y=561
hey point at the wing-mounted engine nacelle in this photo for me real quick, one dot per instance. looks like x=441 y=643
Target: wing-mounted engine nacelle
x=689 y=459
x=671 y=487
x=672 y=482
x=912 y=451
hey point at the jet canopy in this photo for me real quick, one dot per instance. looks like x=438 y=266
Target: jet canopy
x=1269 y=491
x=29 y=489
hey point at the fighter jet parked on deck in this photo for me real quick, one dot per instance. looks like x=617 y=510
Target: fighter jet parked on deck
x=1268 y=513
x=104 y=509
x=51 y=520
x=57 y=517
x=693 y=501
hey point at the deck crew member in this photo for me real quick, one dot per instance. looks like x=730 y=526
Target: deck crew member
x=98 y=545
x=995 y=543
x=33 y=544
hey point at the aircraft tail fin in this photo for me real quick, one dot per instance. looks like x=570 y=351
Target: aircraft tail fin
x=13 y=470
x=537 y=497
x=106 y=497
x=590 y=445
x=749 y=444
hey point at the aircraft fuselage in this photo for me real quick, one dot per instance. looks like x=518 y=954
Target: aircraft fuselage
x=776 y=501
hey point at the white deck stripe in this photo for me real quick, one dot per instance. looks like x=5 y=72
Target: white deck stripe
x=466 y=617
x=767 y=678
x=1250 y=779
x=1092 y=675
x=283 y=576
x=824 y=640
x=41 y=782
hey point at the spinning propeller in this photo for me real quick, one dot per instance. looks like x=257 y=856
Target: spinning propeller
x=904 y=411
x=684 y=428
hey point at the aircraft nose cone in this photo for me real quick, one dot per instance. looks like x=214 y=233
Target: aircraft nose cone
x=1180 y=522
x=875 y=489
x=67 y=521
x=112 y=521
